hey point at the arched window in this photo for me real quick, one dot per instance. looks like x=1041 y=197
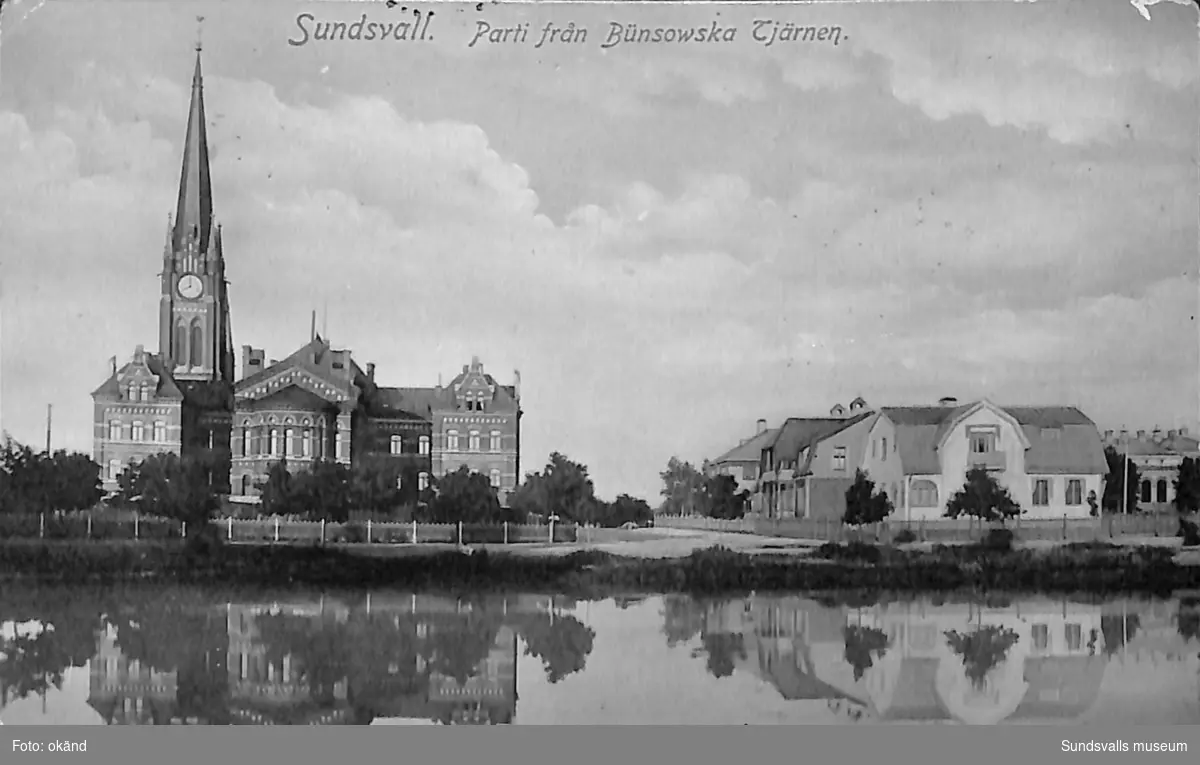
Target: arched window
x=180 y=344
x=196 y=349
x=274 y=443
x=342 y=445
x=308 y=439
x=474 y=441
x=452 y=441
x=424 y=447
x=423 y=481
x=114 y=430
x=495 y=444
x=139 y=433
x=160 y=431
x=289 y=442
x=1161 y=491
x=247 y=445
x=1146 y=491
x=923 y=494
x=146 y=392
x=133 y=392
x=397 y=445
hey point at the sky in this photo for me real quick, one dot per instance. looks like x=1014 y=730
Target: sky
x=669 y=241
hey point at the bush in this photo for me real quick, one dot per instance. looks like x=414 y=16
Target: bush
x=904 y=537
x=998 y=540
x=851 y=552
x=354 y=533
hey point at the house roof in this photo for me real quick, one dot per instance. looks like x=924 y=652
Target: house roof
x=1075 y=446
x=316 y=357
x=797 y=433
x=167 y=388
x=418 y=402
x=1166 y=447
x=1061 y=686
x=749 y=450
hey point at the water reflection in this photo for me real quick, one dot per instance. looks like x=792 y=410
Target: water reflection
x=179 y=656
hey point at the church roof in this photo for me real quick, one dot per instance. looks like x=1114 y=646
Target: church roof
x=193 y=214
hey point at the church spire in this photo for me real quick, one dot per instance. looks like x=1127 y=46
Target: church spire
x=193 y=215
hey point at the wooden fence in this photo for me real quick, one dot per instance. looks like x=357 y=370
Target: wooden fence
x=277 y=530
x=1109 y=527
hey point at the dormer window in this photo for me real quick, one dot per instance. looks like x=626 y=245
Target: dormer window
x=133 y=392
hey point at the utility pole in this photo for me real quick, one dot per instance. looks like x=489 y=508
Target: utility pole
x=49 y=410
x=1125 y=476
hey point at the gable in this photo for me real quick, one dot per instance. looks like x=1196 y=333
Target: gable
x=750 y=451
x=290 y=397
x=280 y=377
x=961 y=414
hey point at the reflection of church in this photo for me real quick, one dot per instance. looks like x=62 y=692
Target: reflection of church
x=257 y=686
x=1052 y=672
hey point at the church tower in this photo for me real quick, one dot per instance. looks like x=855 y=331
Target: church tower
x=194 y=333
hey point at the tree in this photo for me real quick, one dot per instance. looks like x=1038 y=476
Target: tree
x=167 y=486
x=865 y=504
x=682 y=488
x=324 y=491
x=1187 y=486
x=721 y=498
x=982 y=650
x=982 y=497
x=465 y=496
x=627 y=509
x=275 y=491
x=1113 y=483
x=562 y=488
x=375 y=484
x=863 y=646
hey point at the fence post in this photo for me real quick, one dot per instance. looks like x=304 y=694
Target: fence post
x=368 y=531
x=229 y=527
x=921 y=529
x=506 y=532
x=551 y=531
x=322 y=532
x=41 y=525
x=277 y=528
x=460 y=533
x=136 y=525
x=89 y=531
x=1064 y=536
x=183 y=530
x=414 y=532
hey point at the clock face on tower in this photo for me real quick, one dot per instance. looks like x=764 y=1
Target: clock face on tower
x=190 y=286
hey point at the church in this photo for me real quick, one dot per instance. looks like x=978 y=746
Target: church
x=318 y=403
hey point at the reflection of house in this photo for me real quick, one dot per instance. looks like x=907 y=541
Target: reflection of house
x=1052 y=672
x=126 y=692
x=1157 y=456
x=488 y=697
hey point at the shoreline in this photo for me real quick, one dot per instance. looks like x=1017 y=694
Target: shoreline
x=1081 y=567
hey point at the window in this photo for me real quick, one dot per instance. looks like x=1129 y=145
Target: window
x=1161 y=491
x=474 y=441
x=180 y=354
x=114 y=430
x=273 y=445
x=146 y=392
x=1145 y=491
x=1041 y=492
x=874 y=448
x=885 y=450
x=495 y=446
x=424 y=445
x=397 y=445
x=289 y=442
x=423 y=481
x=245 y=486
x=160 y=431
x=139 y=432
x=196 y=346
x=924 y=493
x=1074 y=637
x=134 y=390
x=308 y=442
x=495 y=478
x=341 y=445
x=452 y=441
x=1074 y=491
x=982 y=441
x=1041 y=637
x=749 y=472
x=114 y=469
x=247 y=448
x=839 y=458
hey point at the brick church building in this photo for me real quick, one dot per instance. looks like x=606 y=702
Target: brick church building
x=317 y=403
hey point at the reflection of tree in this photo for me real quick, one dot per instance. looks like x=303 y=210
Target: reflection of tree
x=63 y=636
x=563 y=643
x=1188 y=619
x=1118 y=630
x=863 y=646
x=463 y=643
x=319 y=646
x=683 y=618
x=982 y=650
x=723 y=649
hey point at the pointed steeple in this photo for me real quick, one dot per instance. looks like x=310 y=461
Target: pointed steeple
x=193 y=215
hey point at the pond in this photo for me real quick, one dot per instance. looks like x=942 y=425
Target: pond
x=170 y=655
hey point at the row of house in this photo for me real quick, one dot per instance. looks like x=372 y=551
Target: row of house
x=1051 y=459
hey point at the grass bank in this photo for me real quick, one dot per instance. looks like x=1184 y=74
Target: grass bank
x=1094 y=567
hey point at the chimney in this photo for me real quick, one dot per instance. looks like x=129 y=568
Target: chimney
x=1183 y=431
x=247 y=359
x=371 y=371
x=1171 y=434
x=1156 y=434
x=1124 y=434
x=517 y=383
x=947 y=401
x=312 y=333
x=466 y=368
x=760 y=427
x=1108 y=435
x=475 y=365
x=1141 y=434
